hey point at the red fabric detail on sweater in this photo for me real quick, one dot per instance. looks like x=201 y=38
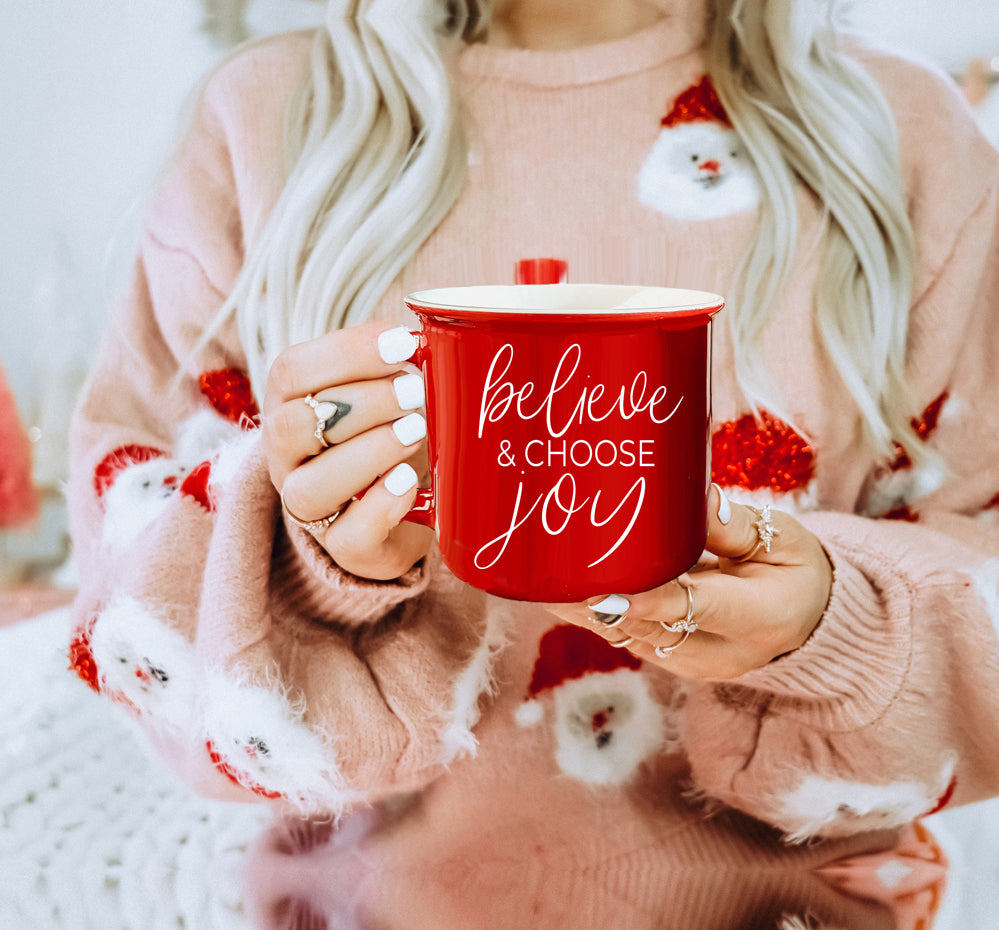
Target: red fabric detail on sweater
x=767 y=454
x=945 y=798
x=698 y=103
x=237 y=778
x=228 y=390
x=117 y=697
x=195 y=486
x=902 y=513
x=568 y=651
x=81 y=658
x=924 y=426
x=116 y=461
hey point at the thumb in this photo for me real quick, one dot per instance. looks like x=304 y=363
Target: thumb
x=738 y=532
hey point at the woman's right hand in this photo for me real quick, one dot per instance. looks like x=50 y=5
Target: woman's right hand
x=375 y=446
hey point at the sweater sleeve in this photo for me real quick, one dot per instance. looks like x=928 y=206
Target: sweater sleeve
x=889 y=711
x=252 y=663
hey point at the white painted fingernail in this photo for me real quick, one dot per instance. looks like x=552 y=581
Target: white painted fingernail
x=409 y=391
x=614 y=604
x=396 y=345
x=724 y=507
x=401 y=479
x=410 y=429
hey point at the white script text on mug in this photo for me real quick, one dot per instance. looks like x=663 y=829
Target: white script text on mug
x=557 y=506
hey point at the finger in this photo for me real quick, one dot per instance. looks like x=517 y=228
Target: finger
x=291 y=429
x=744 y=534
x=358 y=353
x=368 y=538
x=325 y=483
x=615 y=615
x=732 y=624
x=656 y=616
x=631 y=622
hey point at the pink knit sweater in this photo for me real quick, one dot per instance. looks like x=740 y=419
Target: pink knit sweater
x=260 y=669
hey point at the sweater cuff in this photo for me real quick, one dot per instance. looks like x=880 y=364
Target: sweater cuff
x=307 y=579
x=851 y=667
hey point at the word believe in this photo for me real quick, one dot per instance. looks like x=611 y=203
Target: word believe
x=499 y=396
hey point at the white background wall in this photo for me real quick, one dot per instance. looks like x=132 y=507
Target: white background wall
x=89 y=94
x=89 y=97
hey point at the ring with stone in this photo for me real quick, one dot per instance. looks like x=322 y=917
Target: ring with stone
x=310 y=526
x=687 y=624
x=766 y=532
x=328 y=413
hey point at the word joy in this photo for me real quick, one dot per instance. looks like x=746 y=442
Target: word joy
x=556 y=510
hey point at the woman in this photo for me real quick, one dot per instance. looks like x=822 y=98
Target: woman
x=838 y=671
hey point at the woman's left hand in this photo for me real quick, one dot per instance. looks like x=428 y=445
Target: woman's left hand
x=742 y=609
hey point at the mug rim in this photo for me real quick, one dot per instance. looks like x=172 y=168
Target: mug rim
x=545 y=300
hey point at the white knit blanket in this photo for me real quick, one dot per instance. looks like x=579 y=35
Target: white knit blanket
x=93 y=833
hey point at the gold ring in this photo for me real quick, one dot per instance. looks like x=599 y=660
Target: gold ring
x=327 y=412
x=687 y=624
x=766 y=532
x=664 y=652
x=310 y=526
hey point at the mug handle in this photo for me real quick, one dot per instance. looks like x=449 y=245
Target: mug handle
x=424 y=510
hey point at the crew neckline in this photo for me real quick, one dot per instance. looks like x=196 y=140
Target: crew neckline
x=669 y=38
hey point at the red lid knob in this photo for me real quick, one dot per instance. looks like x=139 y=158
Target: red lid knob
x=541 y=271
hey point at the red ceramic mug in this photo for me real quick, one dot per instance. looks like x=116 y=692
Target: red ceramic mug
x=568 y=432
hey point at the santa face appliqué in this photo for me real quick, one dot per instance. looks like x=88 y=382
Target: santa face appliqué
x=258 y=739
x=138 y=496
x=698 y=168
x=144 y=662
x=606 y=725
x=605 y=721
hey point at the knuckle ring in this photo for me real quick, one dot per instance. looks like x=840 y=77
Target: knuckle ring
x=627 y=641
x=310 y=526
x=687 y=624
x=766 y=532
x=664 y=652
x=328 y=414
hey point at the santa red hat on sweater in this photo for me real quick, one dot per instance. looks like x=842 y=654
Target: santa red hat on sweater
x=567 y=652
x=697 y=103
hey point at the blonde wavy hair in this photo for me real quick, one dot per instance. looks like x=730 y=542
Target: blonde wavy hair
x=807 y=111
x=377 y=158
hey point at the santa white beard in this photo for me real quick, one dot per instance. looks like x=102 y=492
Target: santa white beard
x=698 y=171
x=605 y=726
